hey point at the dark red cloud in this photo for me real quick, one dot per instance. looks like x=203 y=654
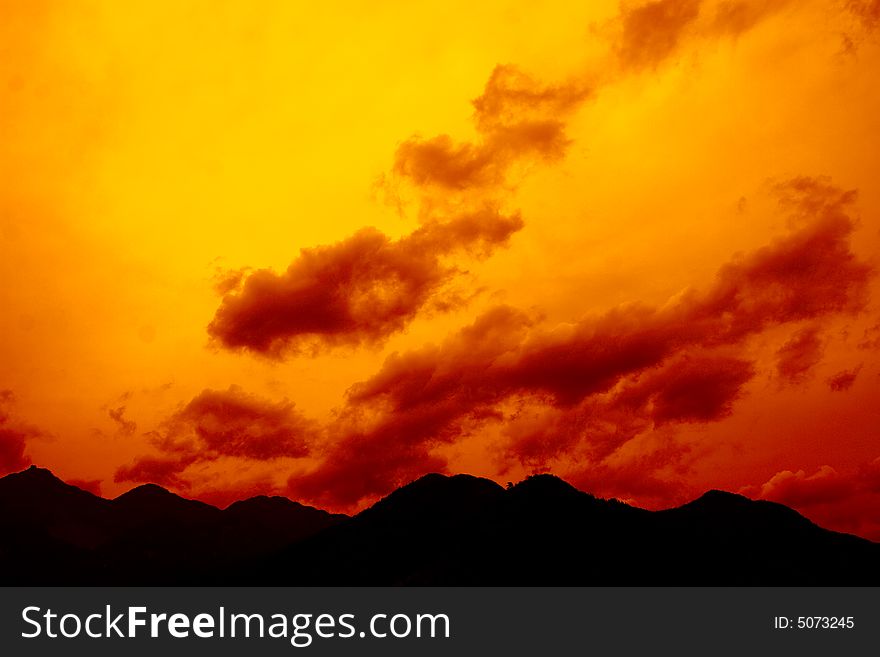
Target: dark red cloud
x=14 y=436
x=870 y=338
x=516 y=117
x=368 y=466
x=844 y=379
x=690 y=389
x=234 y=423
x=605 y=379
x=799 y=355
x=223 y=423
x=807 y=275
x=512 y=98
x=735 y=17
x=126 y=427
x=693 y=388
x=651 y=32
x=867 y=11
x=358 y=291
x=163 y=470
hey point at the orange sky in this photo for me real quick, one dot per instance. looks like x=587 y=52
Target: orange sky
x=256 y=247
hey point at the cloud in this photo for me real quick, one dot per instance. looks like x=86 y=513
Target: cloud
x=513 y=98
x=736 y=17
x=369 y=466
x=867 y=11
x=653 y=32
x=799 y=355
x=233 y=423
x=809 y=274
x=441 y=162
x=599 y=382
x=843 y=380
x=14 y=436
x=358 y=291
x=227 y=280
x=870 y=338
x=516 y=118
x=797 y=489
x=690 y=389
x=165 y=471
x=126 y=427
x=223 y=423
x=623 y=443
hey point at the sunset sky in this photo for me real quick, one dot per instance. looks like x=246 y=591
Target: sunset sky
x=319 y=250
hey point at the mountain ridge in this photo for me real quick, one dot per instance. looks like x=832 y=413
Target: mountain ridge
x=436 y=530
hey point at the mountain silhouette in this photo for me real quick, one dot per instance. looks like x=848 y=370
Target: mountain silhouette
x=58 y=534
x=437 y=530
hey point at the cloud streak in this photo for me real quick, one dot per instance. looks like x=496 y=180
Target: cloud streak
x=358 y=291
x=843 y=380
x=516 y=118
x=799 y=355
x=653 y=32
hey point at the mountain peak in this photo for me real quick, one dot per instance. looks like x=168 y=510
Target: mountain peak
x=435 y=481
x=146 y=491
x=269 y=504
x=33 y=473
x=261 y=501
x=545 y=483
x=34 y=480
x=152 y=498
x=716 y=500
x=437 y=493
x=450 y=483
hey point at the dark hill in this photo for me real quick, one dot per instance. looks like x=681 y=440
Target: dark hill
x=259 y=525
x=542 y=531
x=49 y=528
x=437 y=530
x=54 y=533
